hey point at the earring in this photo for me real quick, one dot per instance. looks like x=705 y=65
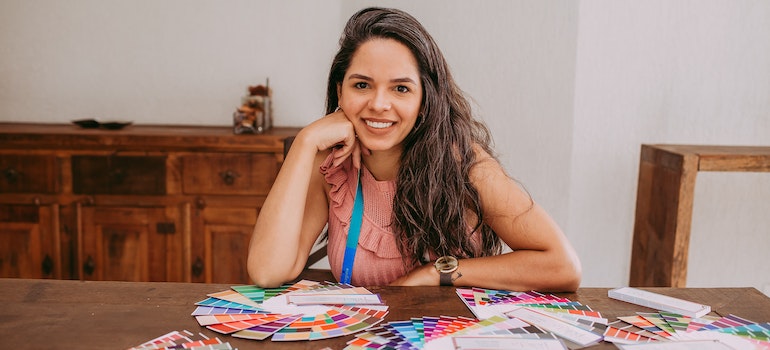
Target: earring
x=338 y=108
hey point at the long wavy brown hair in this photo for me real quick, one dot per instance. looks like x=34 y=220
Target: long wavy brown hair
x=435 y=202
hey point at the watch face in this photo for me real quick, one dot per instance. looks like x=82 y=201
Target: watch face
x=446 y=264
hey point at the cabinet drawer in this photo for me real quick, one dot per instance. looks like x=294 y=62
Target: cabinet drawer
x=139 y=175
x=28 y=173
x=242 y=173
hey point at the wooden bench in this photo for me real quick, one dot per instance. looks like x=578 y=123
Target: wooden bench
x=664 y=204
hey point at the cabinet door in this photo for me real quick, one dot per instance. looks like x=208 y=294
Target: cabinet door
x=29 y=244
x=130 y=243
x=220 y=244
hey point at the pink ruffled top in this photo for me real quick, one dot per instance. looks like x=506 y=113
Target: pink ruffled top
x=378 y=260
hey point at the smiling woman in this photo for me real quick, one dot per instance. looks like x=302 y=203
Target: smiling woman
x=405 y=178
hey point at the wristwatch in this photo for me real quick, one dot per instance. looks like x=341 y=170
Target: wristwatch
x=446 y=266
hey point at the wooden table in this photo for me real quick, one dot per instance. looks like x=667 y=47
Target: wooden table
x=664 y=205
x=65 y=314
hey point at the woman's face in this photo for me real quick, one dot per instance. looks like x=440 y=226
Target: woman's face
x=381 y=93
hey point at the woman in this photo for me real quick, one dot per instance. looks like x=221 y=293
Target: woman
x=437 y=205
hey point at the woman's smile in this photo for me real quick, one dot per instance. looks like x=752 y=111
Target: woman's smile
x=378 y=125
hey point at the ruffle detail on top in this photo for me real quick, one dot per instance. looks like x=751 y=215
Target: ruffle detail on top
x=342 y=191
x=380 y=242
x=378 y=260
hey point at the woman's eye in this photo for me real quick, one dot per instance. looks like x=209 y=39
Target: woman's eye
x=361 y=85
x=402 y=89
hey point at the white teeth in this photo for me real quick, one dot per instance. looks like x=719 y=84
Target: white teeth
x=378 y=125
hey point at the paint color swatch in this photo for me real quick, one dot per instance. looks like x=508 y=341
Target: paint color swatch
x=257 y=313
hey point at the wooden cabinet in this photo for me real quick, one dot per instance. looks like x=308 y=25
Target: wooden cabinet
x=146 y=203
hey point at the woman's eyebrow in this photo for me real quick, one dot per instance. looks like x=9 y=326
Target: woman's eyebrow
x=404 y=80
x=359 y=76
x=396 y=80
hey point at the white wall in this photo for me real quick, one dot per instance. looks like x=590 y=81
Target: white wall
x=162 y=62
x=570 y=90
x=671 y=72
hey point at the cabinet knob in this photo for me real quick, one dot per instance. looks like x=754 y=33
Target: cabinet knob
x=229 y=176
x=89 y=266
x=47 y=265
x=117 y=176
x=11 y=175
x=197 y=267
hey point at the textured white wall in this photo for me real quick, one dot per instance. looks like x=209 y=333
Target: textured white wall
x=570 y=90
x=162 y=62
x=671 y=72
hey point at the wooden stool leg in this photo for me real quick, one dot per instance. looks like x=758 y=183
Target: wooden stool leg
x=663 y=216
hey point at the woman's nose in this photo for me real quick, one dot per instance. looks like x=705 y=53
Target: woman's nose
x=380 y=101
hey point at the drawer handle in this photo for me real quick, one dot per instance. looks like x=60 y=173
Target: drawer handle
x=89 y=266
x=197 y=267
x=165 y=228
x=11 y=175
x=229 y=176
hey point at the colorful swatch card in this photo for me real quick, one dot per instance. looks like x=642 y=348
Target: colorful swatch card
x=657 y=320
x=622 y=336
x=758 y=331
x=726 y=322
x=212 y=310
x=700 y=322
x=235 y=297
x=183 y=340
x=264 y=331
x=625 y=326
x=379 y=338
x=678 y=323
x=235 y=326
x=207 y=320
x=221 y=303
x=646 y=325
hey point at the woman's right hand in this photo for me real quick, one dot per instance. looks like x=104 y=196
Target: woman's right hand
x=296 y=209
x=335 y=132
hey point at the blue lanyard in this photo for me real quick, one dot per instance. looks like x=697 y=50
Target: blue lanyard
x=354 y=231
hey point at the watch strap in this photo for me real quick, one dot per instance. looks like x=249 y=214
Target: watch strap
x=445 y=278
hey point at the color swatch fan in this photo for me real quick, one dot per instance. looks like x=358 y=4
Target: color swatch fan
x=569 y=322
x=731 y=331
x=307 y=310
x=505 y=320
